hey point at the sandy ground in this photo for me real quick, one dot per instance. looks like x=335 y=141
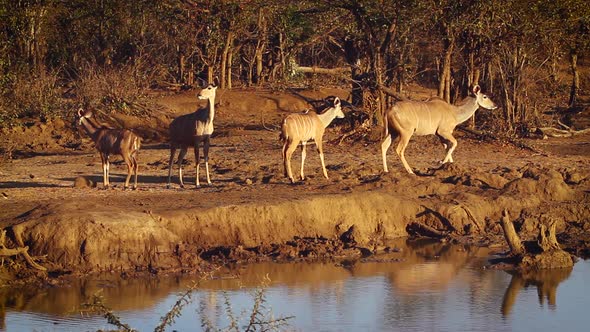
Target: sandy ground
x=250 y=203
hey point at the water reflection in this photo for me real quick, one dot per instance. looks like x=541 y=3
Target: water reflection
x=421 y=286
x=546 y=282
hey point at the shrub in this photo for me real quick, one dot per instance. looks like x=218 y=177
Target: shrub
x=30 y=96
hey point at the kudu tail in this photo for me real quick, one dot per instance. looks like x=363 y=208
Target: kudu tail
x=282 y=134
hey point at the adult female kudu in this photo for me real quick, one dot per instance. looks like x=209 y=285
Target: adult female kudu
x=112 y=141
x=303 y=127
x=433 y=117
x=190 y=130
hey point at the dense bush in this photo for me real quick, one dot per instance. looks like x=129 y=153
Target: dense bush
x=107 y=53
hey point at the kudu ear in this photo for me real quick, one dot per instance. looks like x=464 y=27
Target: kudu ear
x=476 y=90
x=80 y=110
x=336 y=102
x=215 y=82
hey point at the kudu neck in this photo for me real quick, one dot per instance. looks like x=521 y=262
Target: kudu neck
x=466 y=109
x=327 y=116
x=89 y=127
x=211 y=107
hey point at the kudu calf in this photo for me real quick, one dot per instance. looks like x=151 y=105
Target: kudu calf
x=112 y=141
x=303 y=127
x=433 y=117
x=190 y=130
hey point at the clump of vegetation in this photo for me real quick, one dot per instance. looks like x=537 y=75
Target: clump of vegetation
x=31 y=96
x=530 y=56
x=259 y=318
x=121 y=89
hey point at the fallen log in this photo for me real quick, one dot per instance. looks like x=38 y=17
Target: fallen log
x=391 y=93
x=320 y=70
x=556 y=133
x=24 y=251
x=424 y=230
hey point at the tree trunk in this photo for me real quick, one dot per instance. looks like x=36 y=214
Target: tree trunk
x=516 y=247
x=181 y=64
x=259 y=66
x=352 y=53
x=190 y=81
x=224 y=57
x=230 y=58
x=444 y=84
x=282 y=55
x=210 y=72
x=260 y=46
x=547 y=239
x=575 y=78
x=380 y=96
x=554 y=61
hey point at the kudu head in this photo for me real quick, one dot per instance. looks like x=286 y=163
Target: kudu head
x=482 y=99
x=336 y=105
x=81 y=115
x=208 y=92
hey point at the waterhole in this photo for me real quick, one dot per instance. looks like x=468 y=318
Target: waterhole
x=415 y=287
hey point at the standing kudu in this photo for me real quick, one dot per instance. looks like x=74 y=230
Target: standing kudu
x=112 y=141
x=433 y=117
x=302 y=128
x=190 y=130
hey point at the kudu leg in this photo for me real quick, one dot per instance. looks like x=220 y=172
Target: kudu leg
x=384 y=147
x=284 y=156
x=290 y=149
x=401 y=149
x=135 y=170
x=447 y=145
x=129 y=164
x=303 y=155
x=181 y=156
x=453 y=144
x=105 y=173
x=197 y=165
x=206 y=157
x=321 y=152
x=172 y=153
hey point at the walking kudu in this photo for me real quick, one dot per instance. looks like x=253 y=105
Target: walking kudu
x=302 y=128
x=111 y=141
x=433 y=117
x=190 y=130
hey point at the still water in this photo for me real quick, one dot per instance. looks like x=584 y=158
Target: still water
x=423 y=287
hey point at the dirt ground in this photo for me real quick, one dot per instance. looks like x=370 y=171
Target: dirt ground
x=251 y=210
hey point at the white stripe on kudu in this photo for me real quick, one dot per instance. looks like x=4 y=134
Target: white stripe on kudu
x=303 y=127
x=433 y=117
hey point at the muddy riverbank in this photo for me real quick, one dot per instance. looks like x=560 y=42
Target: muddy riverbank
x=252 y=213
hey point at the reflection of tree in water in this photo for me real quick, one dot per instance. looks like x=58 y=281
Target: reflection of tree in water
x=546 y=282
